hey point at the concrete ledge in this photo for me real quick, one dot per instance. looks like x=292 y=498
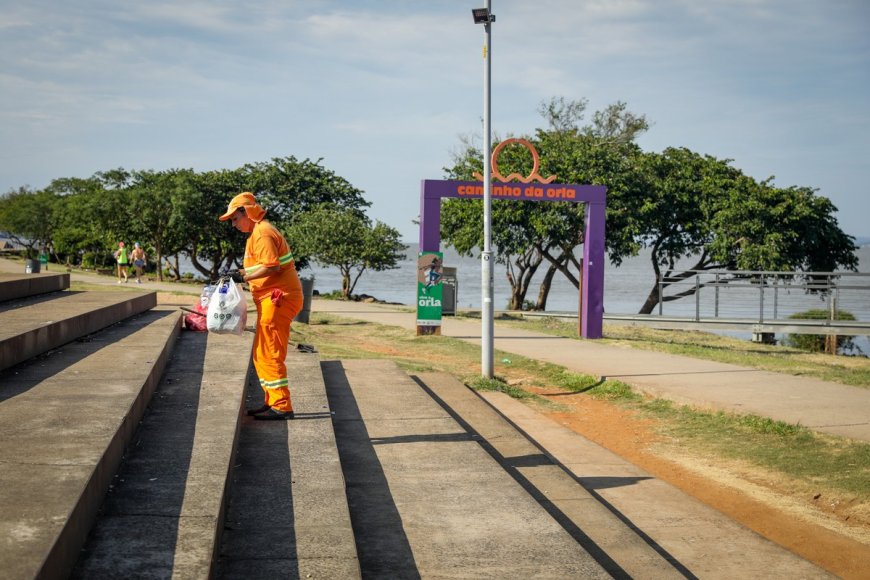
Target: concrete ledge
x=13 y=286
x=66 y=419
x=36 y=326
x=164 y=516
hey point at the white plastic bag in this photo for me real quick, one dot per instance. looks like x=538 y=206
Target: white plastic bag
x=205 y=295
x=227 y=309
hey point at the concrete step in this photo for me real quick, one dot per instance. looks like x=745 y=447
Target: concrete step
x=164 y=513
x=66 y=418
x=644 y=526
x=16 y=286
x=426 y=497
x=619 y=547
x=288 y=515
x=33 y=326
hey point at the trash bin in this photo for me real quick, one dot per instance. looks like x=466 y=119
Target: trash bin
x=448 y=291
x=307 y=293
x=31 y=266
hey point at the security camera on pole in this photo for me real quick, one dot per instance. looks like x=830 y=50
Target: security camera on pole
x=485 y=17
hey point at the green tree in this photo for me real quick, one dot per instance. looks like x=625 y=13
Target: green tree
x=79 y=236
x=198 y=200
x=680 y=204
x=94 y=215
x=702 y=209
x=530 y=235
x=290 y=187
x=27 y=216
x=156 y=200
x=346 y=238
x=286 y=187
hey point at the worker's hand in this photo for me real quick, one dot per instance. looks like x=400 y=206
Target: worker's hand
x=235 y=276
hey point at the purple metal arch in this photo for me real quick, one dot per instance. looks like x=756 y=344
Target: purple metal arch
x=595 y=198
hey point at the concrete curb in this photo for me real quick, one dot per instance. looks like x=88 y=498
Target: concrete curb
x=32 y=328
x=13 y=286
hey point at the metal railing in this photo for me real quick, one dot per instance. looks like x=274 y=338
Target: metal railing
x=765 y=296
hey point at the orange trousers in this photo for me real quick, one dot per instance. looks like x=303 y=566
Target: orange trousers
x=271 y=340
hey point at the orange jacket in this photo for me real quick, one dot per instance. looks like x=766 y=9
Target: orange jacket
x=266 y=247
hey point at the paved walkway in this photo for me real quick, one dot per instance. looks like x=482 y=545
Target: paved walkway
x=820 y=405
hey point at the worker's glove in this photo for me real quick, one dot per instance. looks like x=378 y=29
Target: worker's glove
x=235 y=276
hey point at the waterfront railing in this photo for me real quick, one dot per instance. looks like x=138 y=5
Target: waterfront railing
x=769 y=299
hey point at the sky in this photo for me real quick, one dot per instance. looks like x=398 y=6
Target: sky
x=384 y=92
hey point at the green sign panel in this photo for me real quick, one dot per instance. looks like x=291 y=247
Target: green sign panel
x=429 y=288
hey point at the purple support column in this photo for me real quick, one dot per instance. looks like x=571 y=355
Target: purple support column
x=430 y=220
x=593 y=272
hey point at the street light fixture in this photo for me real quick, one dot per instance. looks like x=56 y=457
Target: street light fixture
x=485 y=17
x=482 y=16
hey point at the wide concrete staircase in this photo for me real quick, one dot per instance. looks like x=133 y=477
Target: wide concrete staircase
x=125 y=452
x=120 y=437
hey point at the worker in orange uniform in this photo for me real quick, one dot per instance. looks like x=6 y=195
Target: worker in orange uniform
x=270 y=272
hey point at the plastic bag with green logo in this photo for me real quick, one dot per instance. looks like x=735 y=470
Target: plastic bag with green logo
x=227 y=309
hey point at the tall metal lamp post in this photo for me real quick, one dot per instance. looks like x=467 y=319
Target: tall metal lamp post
x=485 y=17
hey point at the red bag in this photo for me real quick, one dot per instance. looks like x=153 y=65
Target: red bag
x=196 y=322
x=199 y=322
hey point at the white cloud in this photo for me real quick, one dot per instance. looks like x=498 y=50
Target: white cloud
x=95 y=84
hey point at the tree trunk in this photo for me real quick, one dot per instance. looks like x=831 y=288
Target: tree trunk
x=526 y=265
x=651 y=300
x=345 y=282
x=352 y=285
x=159 y=261
x=654 y=298
x=544 y=290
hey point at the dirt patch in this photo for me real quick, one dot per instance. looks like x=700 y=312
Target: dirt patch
x=811 y=528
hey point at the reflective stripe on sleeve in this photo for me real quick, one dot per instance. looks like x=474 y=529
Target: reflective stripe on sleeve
x=282 y=261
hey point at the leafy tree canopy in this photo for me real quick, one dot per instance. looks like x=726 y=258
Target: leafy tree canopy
x=528 y=235
x=170 y=212
x=678 y=203
x=345 y=237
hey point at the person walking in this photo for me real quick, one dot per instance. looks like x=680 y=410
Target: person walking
x=270 y=272
x=123 y=259
x=139 y=261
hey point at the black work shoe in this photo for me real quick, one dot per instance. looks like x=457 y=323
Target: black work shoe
x=273 y=415
x=258 y=410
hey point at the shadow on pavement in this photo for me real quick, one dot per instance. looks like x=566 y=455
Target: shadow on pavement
x=382 y=545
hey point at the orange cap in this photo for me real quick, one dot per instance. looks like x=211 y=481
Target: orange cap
x=246 y=200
